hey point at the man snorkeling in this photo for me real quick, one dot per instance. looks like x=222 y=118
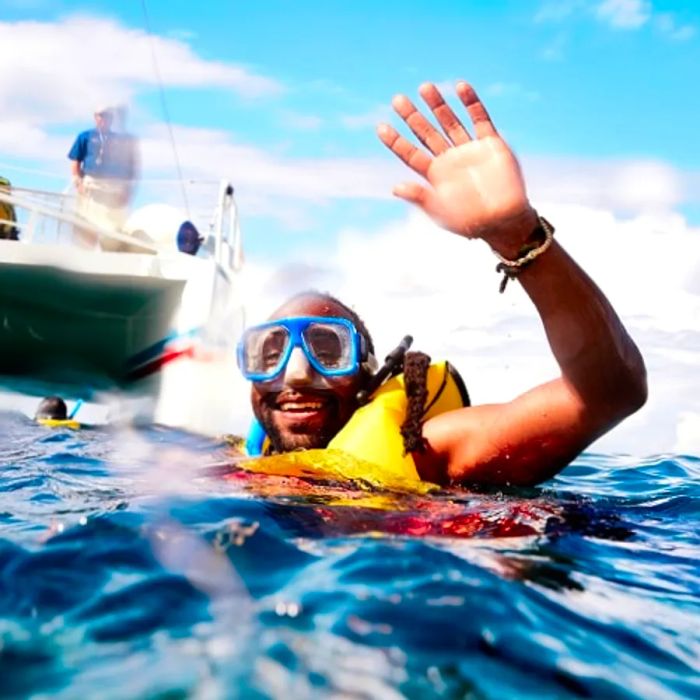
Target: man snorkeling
x=310 y=363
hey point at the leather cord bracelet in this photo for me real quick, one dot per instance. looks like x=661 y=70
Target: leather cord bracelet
x=543 y=235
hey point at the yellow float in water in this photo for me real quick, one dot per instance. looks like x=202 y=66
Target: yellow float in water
x=59 y=423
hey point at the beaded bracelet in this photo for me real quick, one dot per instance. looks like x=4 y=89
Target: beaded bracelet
x=512 y=268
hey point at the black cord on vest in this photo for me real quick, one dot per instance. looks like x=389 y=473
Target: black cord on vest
x=392 y=365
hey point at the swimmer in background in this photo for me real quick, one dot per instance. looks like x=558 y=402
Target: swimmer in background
x=52 y=412
x=51 y=408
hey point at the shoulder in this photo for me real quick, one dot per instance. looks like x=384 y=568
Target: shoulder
x=86 y=135
x=83 y=138
x=449 y=438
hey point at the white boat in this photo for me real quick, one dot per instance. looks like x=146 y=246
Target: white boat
x=153 y=329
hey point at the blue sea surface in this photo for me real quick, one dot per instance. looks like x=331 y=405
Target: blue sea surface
x=137 y=564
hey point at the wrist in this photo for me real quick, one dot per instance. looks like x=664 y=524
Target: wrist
x=538 y=243
x=515 y=233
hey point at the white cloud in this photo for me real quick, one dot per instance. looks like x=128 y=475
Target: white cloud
x=27 y=4
x=554 y=50
x=368 y=119
x=667 y=24
x=288 y=189
x=515 y=90
x=302 y=178
x=624 y=186
x=412 y=277
x=688 y=434
x=447 y=86
x=617 y=14
x=302 y=122
x=558 y=10
x=624 y=14
x=291 y=189
x=113 y=63
x=21 y=139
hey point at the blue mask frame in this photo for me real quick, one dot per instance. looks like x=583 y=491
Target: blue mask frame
x=296 y=326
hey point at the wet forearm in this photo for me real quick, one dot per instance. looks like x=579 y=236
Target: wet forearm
x=592 y=347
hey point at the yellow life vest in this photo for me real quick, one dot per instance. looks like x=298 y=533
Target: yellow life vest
x=370 y=446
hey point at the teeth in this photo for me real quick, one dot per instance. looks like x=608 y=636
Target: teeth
x=301 y=406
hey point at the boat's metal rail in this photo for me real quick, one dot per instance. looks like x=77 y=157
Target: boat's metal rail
x=49 y=217
x=45 y=217
x=228 y=246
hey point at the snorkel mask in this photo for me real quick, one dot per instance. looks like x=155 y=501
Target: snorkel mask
x=332 y=346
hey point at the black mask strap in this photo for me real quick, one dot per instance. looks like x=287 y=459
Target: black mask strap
x=393 y=364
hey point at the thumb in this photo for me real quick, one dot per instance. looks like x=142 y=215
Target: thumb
x=417 y=194
x=413 y=192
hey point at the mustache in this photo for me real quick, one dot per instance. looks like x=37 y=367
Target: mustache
x=276 y=398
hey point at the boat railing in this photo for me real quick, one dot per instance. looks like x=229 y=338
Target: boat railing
x=46 y=217
x=40 y=214
x=49 y=217
x=226 y=232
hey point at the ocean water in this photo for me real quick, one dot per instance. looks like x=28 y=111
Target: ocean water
x=141 y=565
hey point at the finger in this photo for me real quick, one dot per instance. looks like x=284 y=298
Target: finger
x=427 y=134
x=443 y=112
x=483 y=126
x=413 y=157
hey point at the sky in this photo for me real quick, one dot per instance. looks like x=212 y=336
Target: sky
x=598 y=99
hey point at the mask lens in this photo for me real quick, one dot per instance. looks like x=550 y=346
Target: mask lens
x=264 y=350
x=330 y=344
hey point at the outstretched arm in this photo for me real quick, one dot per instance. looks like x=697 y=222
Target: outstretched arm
x=475 y=189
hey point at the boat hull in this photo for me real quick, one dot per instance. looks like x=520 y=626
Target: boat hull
x=65 y=326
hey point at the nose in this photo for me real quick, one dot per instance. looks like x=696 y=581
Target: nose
x=298 y=371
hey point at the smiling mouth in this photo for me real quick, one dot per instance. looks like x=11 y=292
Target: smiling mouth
x=300 y=406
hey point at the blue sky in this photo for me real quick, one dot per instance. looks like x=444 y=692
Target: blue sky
x=597 y=97
x=592 y=80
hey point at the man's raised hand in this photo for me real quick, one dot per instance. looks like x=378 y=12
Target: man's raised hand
x=474 y=184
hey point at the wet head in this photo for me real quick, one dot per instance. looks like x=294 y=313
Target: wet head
x=52 y=408
x=301 y=408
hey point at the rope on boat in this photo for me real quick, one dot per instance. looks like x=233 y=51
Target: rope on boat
x=164 y=105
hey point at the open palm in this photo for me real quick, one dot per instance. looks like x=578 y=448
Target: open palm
x=475 y=185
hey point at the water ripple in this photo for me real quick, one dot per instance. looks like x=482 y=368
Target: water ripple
x=131 y=567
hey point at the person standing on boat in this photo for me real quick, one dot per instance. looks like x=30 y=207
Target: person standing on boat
x=104 y=167
x=310 y=364
x=8 y=215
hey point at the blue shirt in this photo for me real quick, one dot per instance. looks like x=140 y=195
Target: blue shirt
x=104 y=154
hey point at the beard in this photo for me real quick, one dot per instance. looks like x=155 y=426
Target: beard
x=289 y=440
x=287 y=435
